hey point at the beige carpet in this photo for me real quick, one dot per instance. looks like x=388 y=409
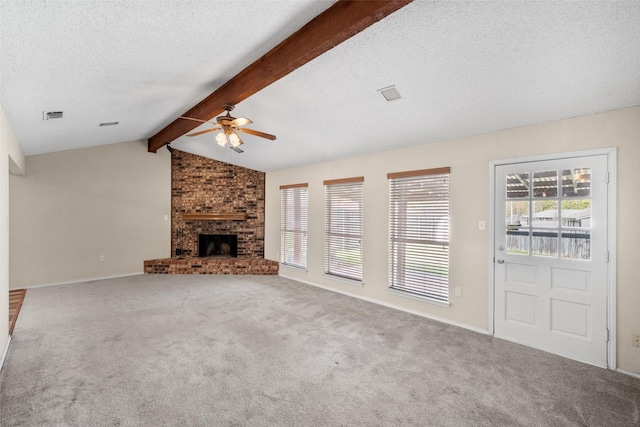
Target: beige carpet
x=265 y=351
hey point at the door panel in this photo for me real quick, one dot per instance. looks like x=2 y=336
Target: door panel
x=521 y=273
x=520 y=308
x=550 y=266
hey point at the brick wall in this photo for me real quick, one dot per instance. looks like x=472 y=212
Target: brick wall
x=203 y=185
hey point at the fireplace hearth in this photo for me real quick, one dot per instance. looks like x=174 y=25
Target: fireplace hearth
x=218 y=245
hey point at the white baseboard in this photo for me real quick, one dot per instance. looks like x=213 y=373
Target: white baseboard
x=90 y=279
x=5 y=351
x=396 y=307
x=631 y=374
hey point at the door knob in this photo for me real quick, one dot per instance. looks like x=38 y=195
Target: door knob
x=500 y=261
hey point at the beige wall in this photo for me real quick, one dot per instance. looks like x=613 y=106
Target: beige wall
x=74 y=206
x=469 y=160
x=11 y=157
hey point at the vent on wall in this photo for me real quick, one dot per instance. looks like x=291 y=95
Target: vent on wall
x=109 y=123
x=52 y=115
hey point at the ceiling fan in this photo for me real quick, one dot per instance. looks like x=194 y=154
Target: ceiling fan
x=229 y=127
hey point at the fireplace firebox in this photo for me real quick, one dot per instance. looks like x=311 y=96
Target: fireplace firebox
x=218 y=245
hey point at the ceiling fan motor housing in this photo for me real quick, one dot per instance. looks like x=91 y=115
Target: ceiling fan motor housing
x=224 y=120
x=227 y=117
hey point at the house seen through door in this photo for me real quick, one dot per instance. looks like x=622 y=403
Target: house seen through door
x=551 y=257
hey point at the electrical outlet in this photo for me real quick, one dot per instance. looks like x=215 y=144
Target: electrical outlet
x=481 y=225
x=636 y=340
x=102 y=258
x=458 y=292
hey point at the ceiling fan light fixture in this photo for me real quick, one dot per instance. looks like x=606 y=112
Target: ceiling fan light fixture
x=234 y=139
x=221 y=139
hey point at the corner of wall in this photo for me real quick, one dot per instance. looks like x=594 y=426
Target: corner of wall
x=10 y=150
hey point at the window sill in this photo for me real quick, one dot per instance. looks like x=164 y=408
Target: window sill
x=353 y=282
x=294 y=267
x=418 y=297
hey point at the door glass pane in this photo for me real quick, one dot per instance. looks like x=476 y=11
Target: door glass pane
x=576 y=213
x=517 y=222
x=517 y=213
x=576 y=222
x=544 y=243
x=517 y=185
x=545 y=184
x=517 y=241
x=545 y=213
x=576 y=244
x=576 y=182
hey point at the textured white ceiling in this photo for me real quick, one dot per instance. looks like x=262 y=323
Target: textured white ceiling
x=462 y=67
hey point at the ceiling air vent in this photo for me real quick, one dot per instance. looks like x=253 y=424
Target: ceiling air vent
x=53 y=115
x=109 y=123
x=390 y=93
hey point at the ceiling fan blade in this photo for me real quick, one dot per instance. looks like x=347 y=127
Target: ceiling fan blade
x=240 y=121
x=203 y=131
x=197 y=120
x=257 y=133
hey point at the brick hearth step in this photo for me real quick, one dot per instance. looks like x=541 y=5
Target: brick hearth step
x=211 y=265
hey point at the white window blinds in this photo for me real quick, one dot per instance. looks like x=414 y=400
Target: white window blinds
x=294 y=202
x=419 y=233
x=343 y=228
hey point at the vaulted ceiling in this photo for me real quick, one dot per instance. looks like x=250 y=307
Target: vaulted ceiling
x=462 y=68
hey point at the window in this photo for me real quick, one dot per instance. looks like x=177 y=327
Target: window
x=343 y=228
x=293 y=225
x=548 y=213
x=419 y=233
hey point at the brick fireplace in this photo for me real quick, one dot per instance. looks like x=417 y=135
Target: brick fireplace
x=212 y=198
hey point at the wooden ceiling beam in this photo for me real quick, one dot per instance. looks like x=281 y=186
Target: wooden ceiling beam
x=338 y=23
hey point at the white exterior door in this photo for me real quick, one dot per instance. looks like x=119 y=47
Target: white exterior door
x=550 y=256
